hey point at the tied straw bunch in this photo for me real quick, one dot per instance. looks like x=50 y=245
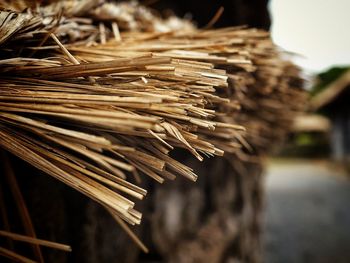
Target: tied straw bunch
x=97 y=94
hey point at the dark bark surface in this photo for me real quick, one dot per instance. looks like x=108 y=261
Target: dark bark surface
x=217 y=219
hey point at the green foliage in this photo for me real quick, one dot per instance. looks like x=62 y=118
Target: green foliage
x=327 y=77
x=304 y=139
x=306 y=144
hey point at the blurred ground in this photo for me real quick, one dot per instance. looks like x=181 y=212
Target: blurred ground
x=308 y=213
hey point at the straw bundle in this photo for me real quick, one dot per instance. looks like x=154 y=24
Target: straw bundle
x=97 y=107
x=221 y=215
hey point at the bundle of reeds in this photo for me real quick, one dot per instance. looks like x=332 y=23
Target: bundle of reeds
x=98 y=94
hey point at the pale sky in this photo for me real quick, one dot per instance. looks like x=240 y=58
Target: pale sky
x=319 y=30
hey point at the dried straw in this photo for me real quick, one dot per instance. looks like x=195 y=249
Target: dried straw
x=97 y=107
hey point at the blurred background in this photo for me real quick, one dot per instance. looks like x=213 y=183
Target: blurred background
x=307 y=218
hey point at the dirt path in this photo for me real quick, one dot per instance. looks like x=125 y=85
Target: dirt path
x=308 y=213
